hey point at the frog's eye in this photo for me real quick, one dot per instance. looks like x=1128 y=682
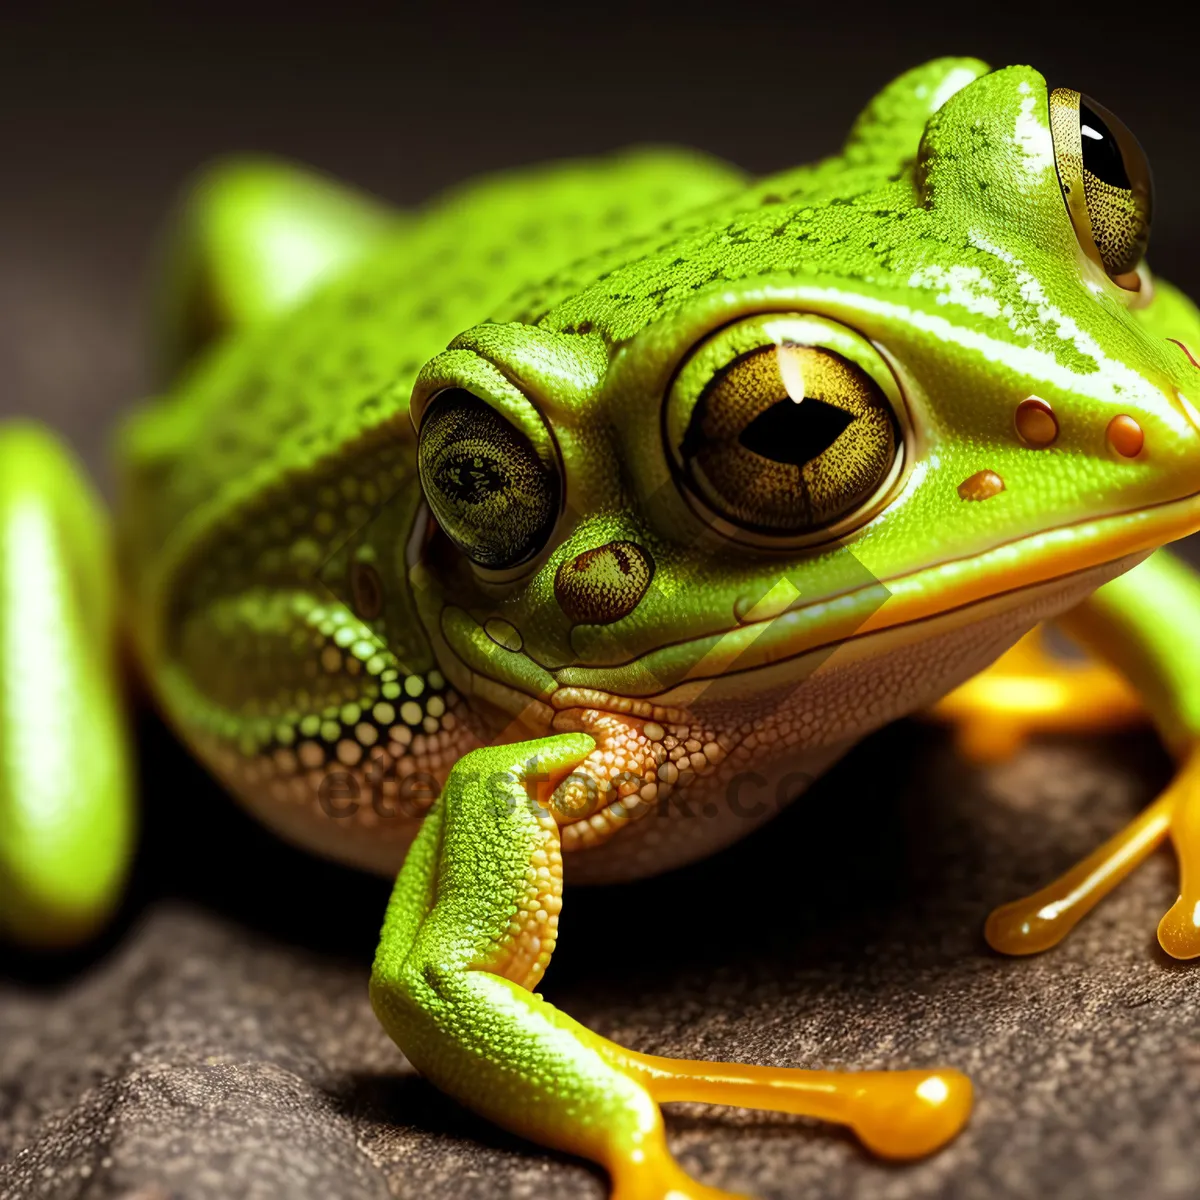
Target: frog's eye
x=1106 y=182
x=492 y=492
x=785 y=427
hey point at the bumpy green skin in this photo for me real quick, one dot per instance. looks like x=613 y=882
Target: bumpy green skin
x=286 y=455
x=443 y=981
x=279 y=472
x=953 y=251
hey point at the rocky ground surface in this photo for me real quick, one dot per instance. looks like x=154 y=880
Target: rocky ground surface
x=220 y=1042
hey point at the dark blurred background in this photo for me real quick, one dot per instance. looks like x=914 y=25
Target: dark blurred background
x=105 y=111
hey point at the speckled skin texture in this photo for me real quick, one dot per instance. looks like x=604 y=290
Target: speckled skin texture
x=225 y=1046
x=935 y=253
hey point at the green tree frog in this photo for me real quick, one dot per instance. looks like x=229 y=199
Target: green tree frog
x=551 y=531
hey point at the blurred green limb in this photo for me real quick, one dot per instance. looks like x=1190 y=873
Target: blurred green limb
x=251 y=238
x=66 y=805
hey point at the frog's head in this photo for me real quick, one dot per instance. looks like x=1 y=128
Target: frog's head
x=799 y=463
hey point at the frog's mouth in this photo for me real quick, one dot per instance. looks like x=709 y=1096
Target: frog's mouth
x=723 y=661
x=653 y=741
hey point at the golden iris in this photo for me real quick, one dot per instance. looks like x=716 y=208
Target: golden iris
x=788 y=439
x=1106 y=182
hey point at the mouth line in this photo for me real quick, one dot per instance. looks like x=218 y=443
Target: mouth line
x=569 y=698
x=655 y=736
x=1022 y=563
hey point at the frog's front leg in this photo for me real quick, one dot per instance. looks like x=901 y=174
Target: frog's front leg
x=470 y=930
x=1146 y=625
x=65 y=798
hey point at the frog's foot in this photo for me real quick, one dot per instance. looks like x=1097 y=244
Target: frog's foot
x=65 y=796
x=469 y=932
x=1028 y=691
x=896 y=1114
x=1145 y=624
x=1042 y=920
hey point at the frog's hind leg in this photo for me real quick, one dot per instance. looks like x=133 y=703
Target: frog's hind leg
x=1146 y=625
x=470 y=930
x=251 y=238
x=66 y=825
x=1031 y=690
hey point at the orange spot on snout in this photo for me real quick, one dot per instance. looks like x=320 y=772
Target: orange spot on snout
x=983 y=485
x=1036 y=423
x=1125 y=436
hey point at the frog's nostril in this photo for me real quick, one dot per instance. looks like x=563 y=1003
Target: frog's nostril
x=605 y=584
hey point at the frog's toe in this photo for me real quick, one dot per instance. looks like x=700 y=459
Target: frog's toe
x=1179 y=930
x=1042 y=920
x=659 y=1177
x=896 y=1114
x=1029 y=691
x=909 y=1114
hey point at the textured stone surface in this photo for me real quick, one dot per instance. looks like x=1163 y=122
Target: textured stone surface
x=222 y=1045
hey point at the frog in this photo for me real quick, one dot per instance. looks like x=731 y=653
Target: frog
x=571 y=525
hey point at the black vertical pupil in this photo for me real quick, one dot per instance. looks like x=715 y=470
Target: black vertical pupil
x=1101 y=154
